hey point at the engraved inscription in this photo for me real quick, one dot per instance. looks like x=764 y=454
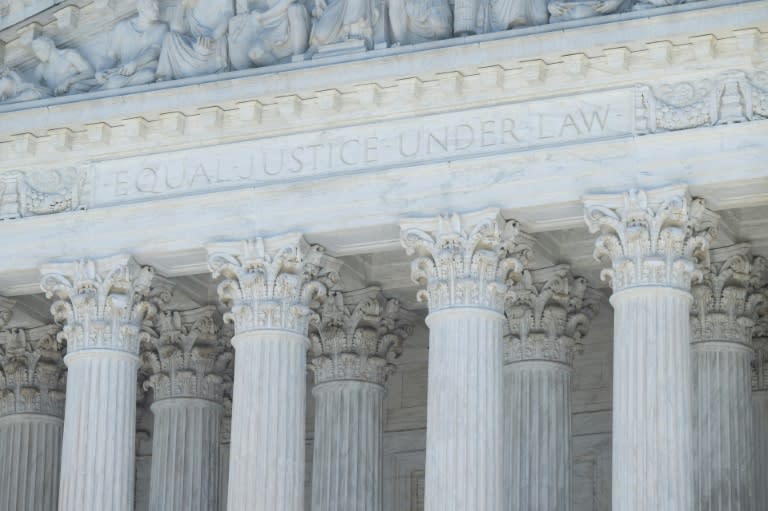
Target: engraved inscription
x=436 y=138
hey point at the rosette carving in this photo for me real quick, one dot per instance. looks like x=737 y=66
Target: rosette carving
x=268 y=283
x=653 y=238
x=32 y=372
x=464 y=260
x=100 y=302
x=548 y=312
x=357 y=336
x=186 y=358
x=726 y=302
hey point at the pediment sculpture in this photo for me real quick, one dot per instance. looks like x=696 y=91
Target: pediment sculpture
x=337 y=21
x=62 y=71
x=566 y=10
x=13 y=88
x=135 y=46
x=197 y=42
x=265 y=32
x=416 y=21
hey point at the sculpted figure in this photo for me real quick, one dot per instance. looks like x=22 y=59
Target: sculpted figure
x=62 y=71
x=267 y=31
x=506 y=14
x=650 y=4
x=135 y=48
x=197 y=43
x=566 y=10
x=468 y=17
x=14 y=88
x=416 y=21
x=341 y=20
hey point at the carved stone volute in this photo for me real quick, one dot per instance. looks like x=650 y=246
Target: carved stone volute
x=186 y=358
x=357 y=336
x=726 y=301
x=548 y=312
x=651 y=238
x=464 y=260
x=32 y=371
x=268 y=283
x=100 y=302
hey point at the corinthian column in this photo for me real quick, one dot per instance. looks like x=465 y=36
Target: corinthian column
x=269 y=285
x=358 y=336
x=463 y=262
x=722 y=317
x=760 y=411
x=187 y=362
x=100 y=302
x=32 y=380
x=547 y=315
x=653 y=241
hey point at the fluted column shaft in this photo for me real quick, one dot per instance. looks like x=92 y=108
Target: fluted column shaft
x=97 y=461
x=223 y=475
x=537 y=434
x=347 y=461
x=652 y=417
x=185 y=455
x=760 y=447
x=268 y=422
x=30 y=445
x=723 y=463
x=464 y=410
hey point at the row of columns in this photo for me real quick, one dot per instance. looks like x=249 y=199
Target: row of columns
x=502 y=342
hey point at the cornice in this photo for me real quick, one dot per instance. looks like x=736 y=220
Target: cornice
x=382 y=85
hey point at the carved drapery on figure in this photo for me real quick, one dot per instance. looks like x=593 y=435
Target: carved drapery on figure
x=186 y=357
x=197 y=43
x=14 y=88
x=267 y=31
x=356 y=336
x=135 y=46
x=101 y=302
x=416 y=21
x=32 y=371
x=61 y=71
x=268 y=283
x=566 y=10
x=337 y=21
x=548 y=312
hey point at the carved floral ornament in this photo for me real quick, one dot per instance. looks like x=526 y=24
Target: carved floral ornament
x=729 y=297
x=269 y=283
x=32 y=371
x=548 y=312
x=651 y=238
x=212 y=36
x=186 y=357
x=464 y=261
x=100 y=302
x=357 y=336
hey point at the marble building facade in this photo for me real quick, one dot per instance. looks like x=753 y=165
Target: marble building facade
x=368 y=255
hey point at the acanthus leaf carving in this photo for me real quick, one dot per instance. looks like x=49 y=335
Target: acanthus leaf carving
x=464 y=260
x=357 y=336
x=268 y=283
x=100 y=302
x=548 y=312
x=186 y=359
x=659 y=237
x=726 y=302
x=32 y=371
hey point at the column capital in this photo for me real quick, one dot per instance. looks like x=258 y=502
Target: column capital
x=269 y=283
x=652 y=237
x=727 y=299
x=548 y=312
x=357 y=335
x=186 y=357
x=6 y=310
x=100 y=302
x=464 y=260
x=32 y=371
